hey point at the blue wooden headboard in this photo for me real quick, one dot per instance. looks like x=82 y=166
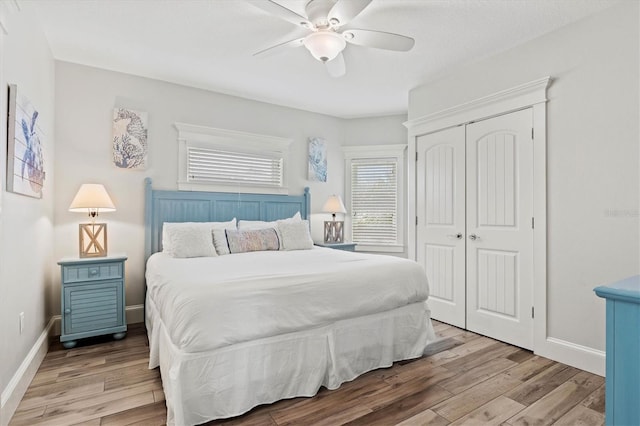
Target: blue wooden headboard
x=195 y=206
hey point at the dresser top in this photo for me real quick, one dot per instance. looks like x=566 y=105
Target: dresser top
x=626 y=289
x=111 y=258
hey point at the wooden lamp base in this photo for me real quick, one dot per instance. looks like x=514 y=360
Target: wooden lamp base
x=333 y=231
x=93 y=239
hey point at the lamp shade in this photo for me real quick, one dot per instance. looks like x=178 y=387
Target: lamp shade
x=92 y=198
x=324 y=45
x=334 y=205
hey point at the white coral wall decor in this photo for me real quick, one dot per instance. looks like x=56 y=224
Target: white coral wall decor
x=25 y=157
x=130 y=139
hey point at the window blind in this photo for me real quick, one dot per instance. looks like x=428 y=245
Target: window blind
x=228 y=167
x=374 y=200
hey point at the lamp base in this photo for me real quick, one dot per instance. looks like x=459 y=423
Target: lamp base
x=93 y=239
x=333 y=231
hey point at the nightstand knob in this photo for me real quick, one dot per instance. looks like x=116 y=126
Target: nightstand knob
x=67 y=311
x=93 y=272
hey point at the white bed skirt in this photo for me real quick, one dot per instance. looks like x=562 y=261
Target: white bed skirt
x=229 y=381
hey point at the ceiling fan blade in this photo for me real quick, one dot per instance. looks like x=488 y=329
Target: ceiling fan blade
x=379 y=39
x=336 y=66
x=345 y=10
x=274 y=49
x=282 y=12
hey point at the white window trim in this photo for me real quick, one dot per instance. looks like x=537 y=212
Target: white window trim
x=190 y=135
x=379 y=151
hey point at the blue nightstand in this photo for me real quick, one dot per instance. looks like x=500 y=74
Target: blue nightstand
x=92 y=298
x=622 y=386
x=339 y=246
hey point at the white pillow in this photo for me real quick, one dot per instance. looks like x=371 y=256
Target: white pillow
x=295 y=235
x=260 y=224
x=189 y=239
x=200 y=233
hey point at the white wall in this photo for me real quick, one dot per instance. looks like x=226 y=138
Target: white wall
x=84 y=103
x=593 y=181
x=387 y=130
x=26 y=224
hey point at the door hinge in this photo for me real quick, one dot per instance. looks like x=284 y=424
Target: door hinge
x=532 y=133
x=416 y=155
x=533 y=223
x=533 y=313
x=416 y=220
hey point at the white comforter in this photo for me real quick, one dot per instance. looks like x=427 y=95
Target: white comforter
x=211 y=302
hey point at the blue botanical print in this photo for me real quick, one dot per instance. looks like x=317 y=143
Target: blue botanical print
x=32 y=160
x=317 y=160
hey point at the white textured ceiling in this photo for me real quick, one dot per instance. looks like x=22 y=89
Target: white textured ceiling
x=209 y=44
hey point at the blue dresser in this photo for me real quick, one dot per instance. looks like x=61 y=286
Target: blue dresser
x=92 y=298
x=622 y=383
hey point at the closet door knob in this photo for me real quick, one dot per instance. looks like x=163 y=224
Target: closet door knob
x=457 y=236
x=474 y=237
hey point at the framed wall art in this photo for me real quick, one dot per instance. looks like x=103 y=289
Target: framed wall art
x=317 y=160
x=130 y=139
x=25 y=158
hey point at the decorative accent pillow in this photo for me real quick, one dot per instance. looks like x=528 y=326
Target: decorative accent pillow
x=188 y=239
x=241 y=241
x=260 y=224
x=295 y=235
x=220 y=237
x=200 y=232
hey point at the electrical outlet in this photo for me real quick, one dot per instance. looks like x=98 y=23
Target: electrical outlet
x=21 y=322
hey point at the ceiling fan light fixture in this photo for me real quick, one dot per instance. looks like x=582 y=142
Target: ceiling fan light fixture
x=324 y=45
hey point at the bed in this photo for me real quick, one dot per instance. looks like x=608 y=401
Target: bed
x=236 y=331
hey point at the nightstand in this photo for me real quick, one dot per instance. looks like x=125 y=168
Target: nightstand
x=339 y=246
x=92 y=298
x=623 y=351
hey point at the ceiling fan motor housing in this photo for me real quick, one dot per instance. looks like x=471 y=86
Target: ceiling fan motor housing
x=317 y=11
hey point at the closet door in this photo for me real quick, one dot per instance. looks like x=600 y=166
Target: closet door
x=440 y=209
x=499 y=205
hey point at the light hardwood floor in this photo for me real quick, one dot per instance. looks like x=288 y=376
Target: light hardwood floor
x=465 y=379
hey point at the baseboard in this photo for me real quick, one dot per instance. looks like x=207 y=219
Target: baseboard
x=17 y=386
x=582 y=357
x=134 y=314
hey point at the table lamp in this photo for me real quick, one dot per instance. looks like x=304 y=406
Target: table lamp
x=334 y=230
x=92 y=198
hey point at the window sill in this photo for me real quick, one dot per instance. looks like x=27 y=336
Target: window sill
x=248 y=189
x=379 y=248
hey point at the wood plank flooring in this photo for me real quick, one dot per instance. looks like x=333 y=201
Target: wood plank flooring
x=465 y=379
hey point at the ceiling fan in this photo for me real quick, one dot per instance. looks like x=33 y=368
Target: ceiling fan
x=328 y=38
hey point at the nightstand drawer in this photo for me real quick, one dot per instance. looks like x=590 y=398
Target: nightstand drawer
x=91 y=272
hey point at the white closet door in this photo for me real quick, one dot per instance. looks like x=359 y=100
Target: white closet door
x=440 y=172
x=499 y=228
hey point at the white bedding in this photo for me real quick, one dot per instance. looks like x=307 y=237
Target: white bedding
x=213 y=302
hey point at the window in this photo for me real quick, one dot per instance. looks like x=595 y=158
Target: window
x=375 y=176
x=229 y=167
x=216 y=159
